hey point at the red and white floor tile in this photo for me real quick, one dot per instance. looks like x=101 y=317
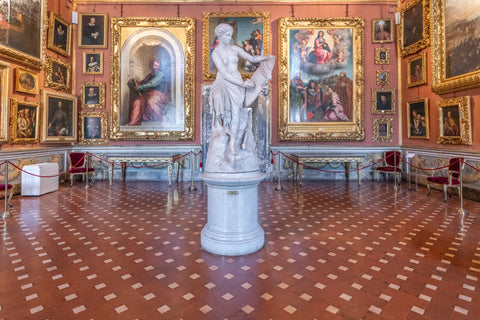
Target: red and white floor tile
x=333 y=251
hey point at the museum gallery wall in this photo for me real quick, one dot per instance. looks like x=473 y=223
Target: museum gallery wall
x=364 y=51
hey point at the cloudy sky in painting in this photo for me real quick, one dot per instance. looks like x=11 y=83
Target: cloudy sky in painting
x=456 y=11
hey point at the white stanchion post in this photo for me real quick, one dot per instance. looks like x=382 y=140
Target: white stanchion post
x=279 y=185
x=460 y=210
x=192 y=187
x=6 y=213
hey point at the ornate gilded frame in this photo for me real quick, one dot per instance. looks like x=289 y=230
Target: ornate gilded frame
x=55 y=20
x=38 y=32
x=4 y=103
x=15 y=131
x=421 y=106
x=84 y=139
x=209 y=35
x=23 y=75
x=83 y=20
x=381 y=135
x=376 y=92
x=441 y=81
x=412 y=63
x=409 y=11
x=382 y=55
x=49 y=100
x=351 y=130
x=50 y=79
x=101 y=95
x=383 y=77
x=181 y=31
x=461 y=113
x=375 y=26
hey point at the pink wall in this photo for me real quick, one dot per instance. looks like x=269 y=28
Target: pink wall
x=195 y=10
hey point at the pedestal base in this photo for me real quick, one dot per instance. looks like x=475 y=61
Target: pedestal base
x=232 y=227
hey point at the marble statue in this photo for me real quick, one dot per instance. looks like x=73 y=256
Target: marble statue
x=232 y=146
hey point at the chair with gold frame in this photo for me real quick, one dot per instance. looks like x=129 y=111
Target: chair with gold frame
x=391 y=164
x=452 y=180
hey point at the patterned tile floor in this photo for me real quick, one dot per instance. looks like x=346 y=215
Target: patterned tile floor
x=333 y=251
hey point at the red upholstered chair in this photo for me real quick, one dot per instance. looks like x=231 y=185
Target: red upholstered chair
x=9 y=190
x=391 y=164
x=77 y=166
x=452 y=178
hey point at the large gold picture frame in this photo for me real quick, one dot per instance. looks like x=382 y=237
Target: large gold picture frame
x=251 y=31
x=93 y=128
x=417 y=119
x=171 y=47
x=4 y=105
x=57 y=74
x=455 y=64
x=414 y=29
x=455 y=121
x=343 y=79
x=23 y=32
x=24 y=126
x=59 y=121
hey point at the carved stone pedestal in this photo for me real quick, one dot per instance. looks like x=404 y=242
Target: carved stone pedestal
x=232 y=227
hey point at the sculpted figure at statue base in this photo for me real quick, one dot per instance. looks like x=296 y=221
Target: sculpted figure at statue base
x=232 y=146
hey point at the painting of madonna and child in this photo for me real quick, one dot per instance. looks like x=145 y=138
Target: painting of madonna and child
x=321 y=73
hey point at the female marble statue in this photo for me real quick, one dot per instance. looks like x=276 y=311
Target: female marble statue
x=230 y=96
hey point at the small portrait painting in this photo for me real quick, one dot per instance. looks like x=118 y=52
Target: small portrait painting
x=455 y=121
x=383 y=101
x=26 y=81
x=382 y=130
x=451 y=121
x=59 y=73
x=413 y=24
x=382 y=30
x=418 y=127
x=59 y=121
x=59 y=35
x=382 y=55
x=93 y=63
x=417 y=74
x=383 y=77
x=93 y=95
x=93 y=127
x=24 y=125
x=92 y=30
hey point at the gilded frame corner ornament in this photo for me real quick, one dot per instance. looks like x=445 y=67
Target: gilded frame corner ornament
x=93 y=137
x=382 y=130
x=382 y=55
x=4 y=102
x=14 y=52
x=207 y=32
x=23 y=128
x=101 y=95
x=442 y=81
x=181 y=31
x=454 y=119
x=409 y=42
x=57 y=74
x=290 y=129
x=377 y=106
x=383 y=77
x=415 y=78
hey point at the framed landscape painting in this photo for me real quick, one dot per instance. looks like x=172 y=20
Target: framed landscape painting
x=455 y=121
x=417 y=119
x=144 y=52
x=25 y=122
x=23 y=32
x=455 y=40
x=321 y=65
x=59 y=123
x=414 y=29
x=250 y=31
